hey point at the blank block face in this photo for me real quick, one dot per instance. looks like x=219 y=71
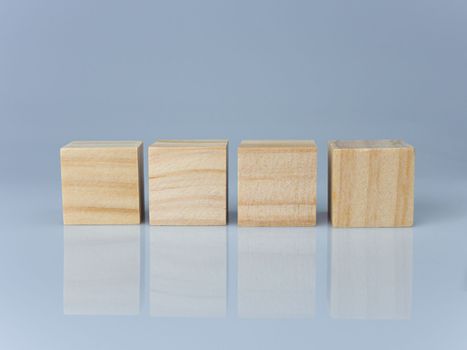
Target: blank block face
x=188 y=182
x=371 y=183
x=102 y=182
x=277 y=183
x=371 y=273
x=188 y=271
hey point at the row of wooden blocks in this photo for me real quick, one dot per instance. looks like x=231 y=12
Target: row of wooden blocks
x=370 y=183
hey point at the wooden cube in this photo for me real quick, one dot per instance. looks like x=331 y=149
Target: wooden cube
x=188 y=182
x=277 y=183
x=102 y=182
x=371 y=183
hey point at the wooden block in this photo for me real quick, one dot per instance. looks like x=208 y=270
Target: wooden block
x=102 y=182
x=277 y=183
x=371 y=183
x=188 y=182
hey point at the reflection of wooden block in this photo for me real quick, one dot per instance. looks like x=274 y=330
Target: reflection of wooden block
x=102 y=182
x=371 y=273
x=371 y=183
x=277 y=183
x=276 y=272
x=101 y=270
x=188 y=271
x=188 y=182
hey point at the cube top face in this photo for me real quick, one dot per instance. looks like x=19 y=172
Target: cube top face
x=368 y=144
x=371 y=183
x=277 y=183
x=191 y=144
x=103 y=144
x=188 y=182
x=102 y=182
x=284 y=145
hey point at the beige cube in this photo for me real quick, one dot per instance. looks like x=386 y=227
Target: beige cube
x=371 y=183
x=188 y=182
x=102 y=182
x=277 y=183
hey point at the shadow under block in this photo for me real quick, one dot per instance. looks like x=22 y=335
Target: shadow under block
x=371 y=183
x=188 y=182
x=277 y=183
x=102 y=182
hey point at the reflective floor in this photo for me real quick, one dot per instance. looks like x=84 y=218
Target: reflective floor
x=227 y=287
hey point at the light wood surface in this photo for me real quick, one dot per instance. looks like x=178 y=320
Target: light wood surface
x=102 y=182
x=188 y=182
x=371 y=183
x=277 y=183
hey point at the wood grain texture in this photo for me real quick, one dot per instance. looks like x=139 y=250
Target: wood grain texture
x=371 y=183
x=188 y=182
x=277 y=183
x=102 y=182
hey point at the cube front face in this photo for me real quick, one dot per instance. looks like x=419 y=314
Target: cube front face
x=102 y=183
x=277 y=183
x=371 y=184
x=188 y=183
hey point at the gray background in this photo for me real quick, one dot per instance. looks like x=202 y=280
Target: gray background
x=143 y=70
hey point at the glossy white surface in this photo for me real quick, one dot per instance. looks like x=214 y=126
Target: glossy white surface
x=371 y=273
x=101 y=267
x=275 y=272
x=188 y=271
x=120 y=287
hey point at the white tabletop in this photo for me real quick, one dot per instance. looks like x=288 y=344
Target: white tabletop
x=228 y=287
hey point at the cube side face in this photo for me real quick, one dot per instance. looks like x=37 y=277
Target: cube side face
x=371 y=187
x=141 y=182
x=101 y=186
x=277 y=187
x=187 y=186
